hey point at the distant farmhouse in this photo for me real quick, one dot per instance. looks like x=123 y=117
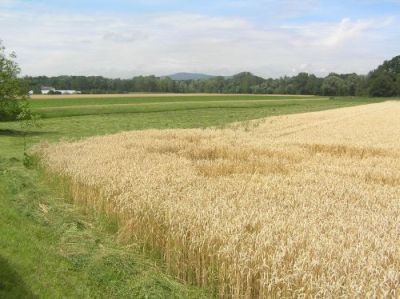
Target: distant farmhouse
x=46 y=90
x=52 y=90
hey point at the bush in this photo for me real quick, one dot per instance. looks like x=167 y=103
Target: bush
x=12 y=92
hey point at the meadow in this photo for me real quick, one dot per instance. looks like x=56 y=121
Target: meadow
x=51 y=247
x=263 y=105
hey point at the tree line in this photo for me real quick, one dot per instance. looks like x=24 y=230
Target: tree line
x=381 y=82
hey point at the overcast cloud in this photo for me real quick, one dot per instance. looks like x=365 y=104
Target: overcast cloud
x=54 y=40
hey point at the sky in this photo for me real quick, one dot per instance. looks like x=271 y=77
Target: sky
x=126 y=38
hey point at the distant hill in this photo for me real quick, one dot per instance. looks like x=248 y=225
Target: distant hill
x=189 y=76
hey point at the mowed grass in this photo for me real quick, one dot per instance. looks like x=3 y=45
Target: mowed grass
x=49 y=247
x=44 y=101
x=263 y=105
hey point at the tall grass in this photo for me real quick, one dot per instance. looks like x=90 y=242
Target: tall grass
x=294 y=206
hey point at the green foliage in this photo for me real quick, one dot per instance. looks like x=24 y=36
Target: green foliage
x=243 y=82
x=398 y=84
x=27 y=121
x=26 y=118
x=385 y=80
x=382 y=84
x=12 y=92
x=391 y=66
x=29 y=161
x=333 y=86
x=303 y=83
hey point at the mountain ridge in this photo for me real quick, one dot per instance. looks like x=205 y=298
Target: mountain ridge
x=183 y=76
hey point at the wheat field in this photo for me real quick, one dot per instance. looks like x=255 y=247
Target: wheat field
x=305 y=205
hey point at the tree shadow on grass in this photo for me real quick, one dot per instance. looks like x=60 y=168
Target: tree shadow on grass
x=19 y=133
x=11 y=284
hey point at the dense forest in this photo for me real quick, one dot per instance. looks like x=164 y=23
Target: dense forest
x=381 y=82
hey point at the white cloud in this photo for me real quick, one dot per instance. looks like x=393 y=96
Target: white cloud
x=279 y=9
x=52 y=43
x=345 y=31
x=338 y=34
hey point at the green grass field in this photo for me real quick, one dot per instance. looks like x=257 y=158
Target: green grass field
x=52 y=249
x=263 y=105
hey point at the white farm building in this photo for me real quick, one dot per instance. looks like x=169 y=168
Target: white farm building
x=46 y=90
x=52 y=90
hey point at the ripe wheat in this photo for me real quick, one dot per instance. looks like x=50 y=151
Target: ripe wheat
x=289 y=206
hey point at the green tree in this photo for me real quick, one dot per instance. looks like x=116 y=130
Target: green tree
x=382 y=84
x=12 y=92
x=398 y=85
x=333 y=85
x=299 y=84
